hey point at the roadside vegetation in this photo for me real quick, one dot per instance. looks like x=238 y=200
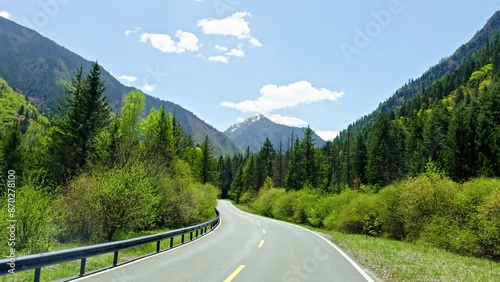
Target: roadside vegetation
x=86 y=175
x=426 y=228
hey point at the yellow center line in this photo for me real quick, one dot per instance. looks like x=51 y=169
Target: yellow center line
x=235 y=273
x=264 y=231
x=261 y=244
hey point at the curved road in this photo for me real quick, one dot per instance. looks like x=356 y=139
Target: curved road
x=244 y=247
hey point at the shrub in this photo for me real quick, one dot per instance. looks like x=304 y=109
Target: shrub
x=444 y=232
x=338 y=202
x=304 y=207
x=391 y=218
x=421 y=199
x=489 y=228
x=247 y=197
x=283 y=207
x=353 y=216
x=264 y=203
x=34 y=219
x=95 y=207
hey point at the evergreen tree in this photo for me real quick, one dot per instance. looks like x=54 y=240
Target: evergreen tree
x=310 y=161
x=85 y=112
x=381 y=166
x=266 y=157
x=296 y=170
x=360 y=159
x=207 y=163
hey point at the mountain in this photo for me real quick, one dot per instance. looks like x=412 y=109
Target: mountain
x=38 y=68
x=442 y=70
x=254 y=130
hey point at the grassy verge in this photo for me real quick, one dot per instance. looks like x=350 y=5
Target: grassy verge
x=71 y=269
x=392 y=260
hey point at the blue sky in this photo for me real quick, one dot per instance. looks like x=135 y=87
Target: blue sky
x=318 y=63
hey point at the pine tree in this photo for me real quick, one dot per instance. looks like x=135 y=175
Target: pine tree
x=84 y=113
x=296 y=171
x=381 y=166
x=360 y=158
x=310 y=164
x=207 y=163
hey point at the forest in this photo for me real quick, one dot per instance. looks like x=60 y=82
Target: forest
x=424 y=170
x=85 y=173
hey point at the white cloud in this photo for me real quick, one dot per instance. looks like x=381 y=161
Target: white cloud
x=5 y=14
x=220 y=59
x=327 y=135
x=290 y=121
x=236 y=53
x=163 y=42
x=128 y=78
x=275 y=97
x=131 y=31
x=149 y=87
x=255 y=42
x=235 y=25
x=220 y=48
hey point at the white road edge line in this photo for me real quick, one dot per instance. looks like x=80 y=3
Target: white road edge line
x=148 y=257
x=352 y=262
x=358 y=268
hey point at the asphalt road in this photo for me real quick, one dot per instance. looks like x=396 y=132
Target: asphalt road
x=244 y=247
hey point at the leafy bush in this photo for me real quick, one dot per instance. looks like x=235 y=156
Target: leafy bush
x=421 y=199
x=264 y=203
x=34 y=219
x=283 y=206
x=97 y=206
x=489 y=227
x=444 y=232
x=391 y=217
x=338 y=203
x=247 y=198
x=352 y=217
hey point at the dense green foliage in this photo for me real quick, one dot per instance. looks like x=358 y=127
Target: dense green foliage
x=430 y=209
x=87 y=174
x=449 y=132
x=454 y=125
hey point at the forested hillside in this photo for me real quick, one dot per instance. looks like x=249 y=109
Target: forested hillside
x=437 y=153
x=39 y=68
x=87 y=174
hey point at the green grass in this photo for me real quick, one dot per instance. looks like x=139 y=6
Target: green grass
x=391 y=260
x=71 y=269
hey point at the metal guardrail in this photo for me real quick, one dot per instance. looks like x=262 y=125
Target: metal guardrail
x=38 y=261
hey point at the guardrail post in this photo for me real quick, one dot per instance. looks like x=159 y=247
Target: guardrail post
x=82 y=266
x=182 y=240
x=38 y=274
x=196 y=233
x=115 y=258
x=191 y=236
x=171 y=242
x=158 y=246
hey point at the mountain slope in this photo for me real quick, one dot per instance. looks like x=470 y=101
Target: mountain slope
x=254 y=130
x=445 y=67
x=38 y=67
